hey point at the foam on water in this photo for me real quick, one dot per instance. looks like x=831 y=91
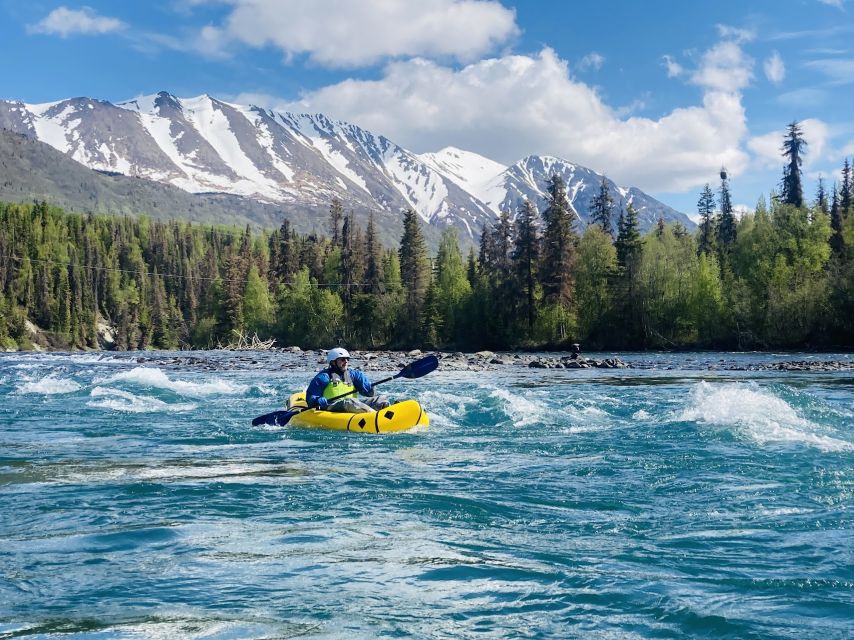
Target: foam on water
x=233 y=472
x=119 y=400
x=756 y=413
x=445 y=409
x=49 y=385
x=519 y=409
x=154 y=377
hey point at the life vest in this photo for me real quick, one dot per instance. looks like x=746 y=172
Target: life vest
x=339 y=387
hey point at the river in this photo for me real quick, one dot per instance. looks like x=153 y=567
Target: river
x=672 y=500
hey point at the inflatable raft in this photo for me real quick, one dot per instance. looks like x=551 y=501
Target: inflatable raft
x=400 y=416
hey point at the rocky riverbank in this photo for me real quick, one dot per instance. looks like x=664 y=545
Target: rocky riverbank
x=312 y=360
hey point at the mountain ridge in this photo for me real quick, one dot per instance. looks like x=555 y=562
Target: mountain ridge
x=299 y=162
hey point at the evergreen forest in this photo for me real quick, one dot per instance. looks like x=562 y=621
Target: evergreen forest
x=780 y=276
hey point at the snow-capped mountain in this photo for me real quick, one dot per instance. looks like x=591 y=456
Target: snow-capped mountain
x=297 y=161
x=501 y=188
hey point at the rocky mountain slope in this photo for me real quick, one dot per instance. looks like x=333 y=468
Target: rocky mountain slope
x=296 y=163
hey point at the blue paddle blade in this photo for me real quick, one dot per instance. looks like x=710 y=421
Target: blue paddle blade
x=419 y=368
x=276 y=418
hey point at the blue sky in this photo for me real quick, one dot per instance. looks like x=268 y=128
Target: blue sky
x=655 y=94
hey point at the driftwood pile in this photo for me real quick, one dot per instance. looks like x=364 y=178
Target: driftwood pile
x=247 y=343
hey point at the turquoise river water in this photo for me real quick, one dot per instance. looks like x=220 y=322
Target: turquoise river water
x=678 y=500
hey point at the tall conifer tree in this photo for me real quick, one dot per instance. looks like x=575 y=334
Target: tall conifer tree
x=602 y=208
x=726 y=225
x=629 y=241
x=559 y=242
x=526 y=255
x=837 y=242
x=706 y=209
x=336 y=215
x=821 y=197
x=794 y=146
x=845 y=190
x=414 y=273
x=373 y=262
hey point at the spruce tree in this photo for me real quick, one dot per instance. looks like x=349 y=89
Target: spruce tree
x=629 y=241
x=837 y=241
x=602 y=208
x=706 y=209
x=336 y=215
x=794 y=146
x=821 y=197
x=414 y=274
x=559 y=242
x=373 y=265
x=502 y=245
x=282 y=260
x=486 y=252
x=346 y=275
x=526 y=255
x=726 y=224
x=845 y=190
x=471 y=268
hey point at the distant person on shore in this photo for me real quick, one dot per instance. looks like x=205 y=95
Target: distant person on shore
x=338 y=380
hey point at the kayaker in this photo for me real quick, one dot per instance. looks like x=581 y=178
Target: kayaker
x=338 y=379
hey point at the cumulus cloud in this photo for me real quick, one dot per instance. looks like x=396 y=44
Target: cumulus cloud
x=775 y=70
x=343 y=33
x=509 y=107
x=767 y=148
x=65 y=22
x=724 y=67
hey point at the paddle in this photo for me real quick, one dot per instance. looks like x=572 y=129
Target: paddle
x=420 y=367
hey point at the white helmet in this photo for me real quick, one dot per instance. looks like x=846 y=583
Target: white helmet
x=337 y=352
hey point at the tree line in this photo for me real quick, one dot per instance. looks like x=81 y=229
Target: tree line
x=778 y=277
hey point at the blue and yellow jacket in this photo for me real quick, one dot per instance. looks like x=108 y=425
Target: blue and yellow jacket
x=314 y=393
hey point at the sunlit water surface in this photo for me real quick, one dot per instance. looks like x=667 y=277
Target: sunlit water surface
x=136 y=501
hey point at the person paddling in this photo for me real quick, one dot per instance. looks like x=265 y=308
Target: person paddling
x=337 y=380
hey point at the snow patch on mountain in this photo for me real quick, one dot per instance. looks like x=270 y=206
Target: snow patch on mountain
x=471 y=171
x=209 y=119
x=51 y=128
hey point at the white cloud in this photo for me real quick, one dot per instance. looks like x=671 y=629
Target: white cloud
x=806 y=98
x=774 y=68
x=724 y=67
x=592 y=61
x=839 y=4
x=509 y=107
x=343 y=33
x=838 y=71
x=674 y=69
x=768 y=152
x=64 y=22
x=736 y=34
